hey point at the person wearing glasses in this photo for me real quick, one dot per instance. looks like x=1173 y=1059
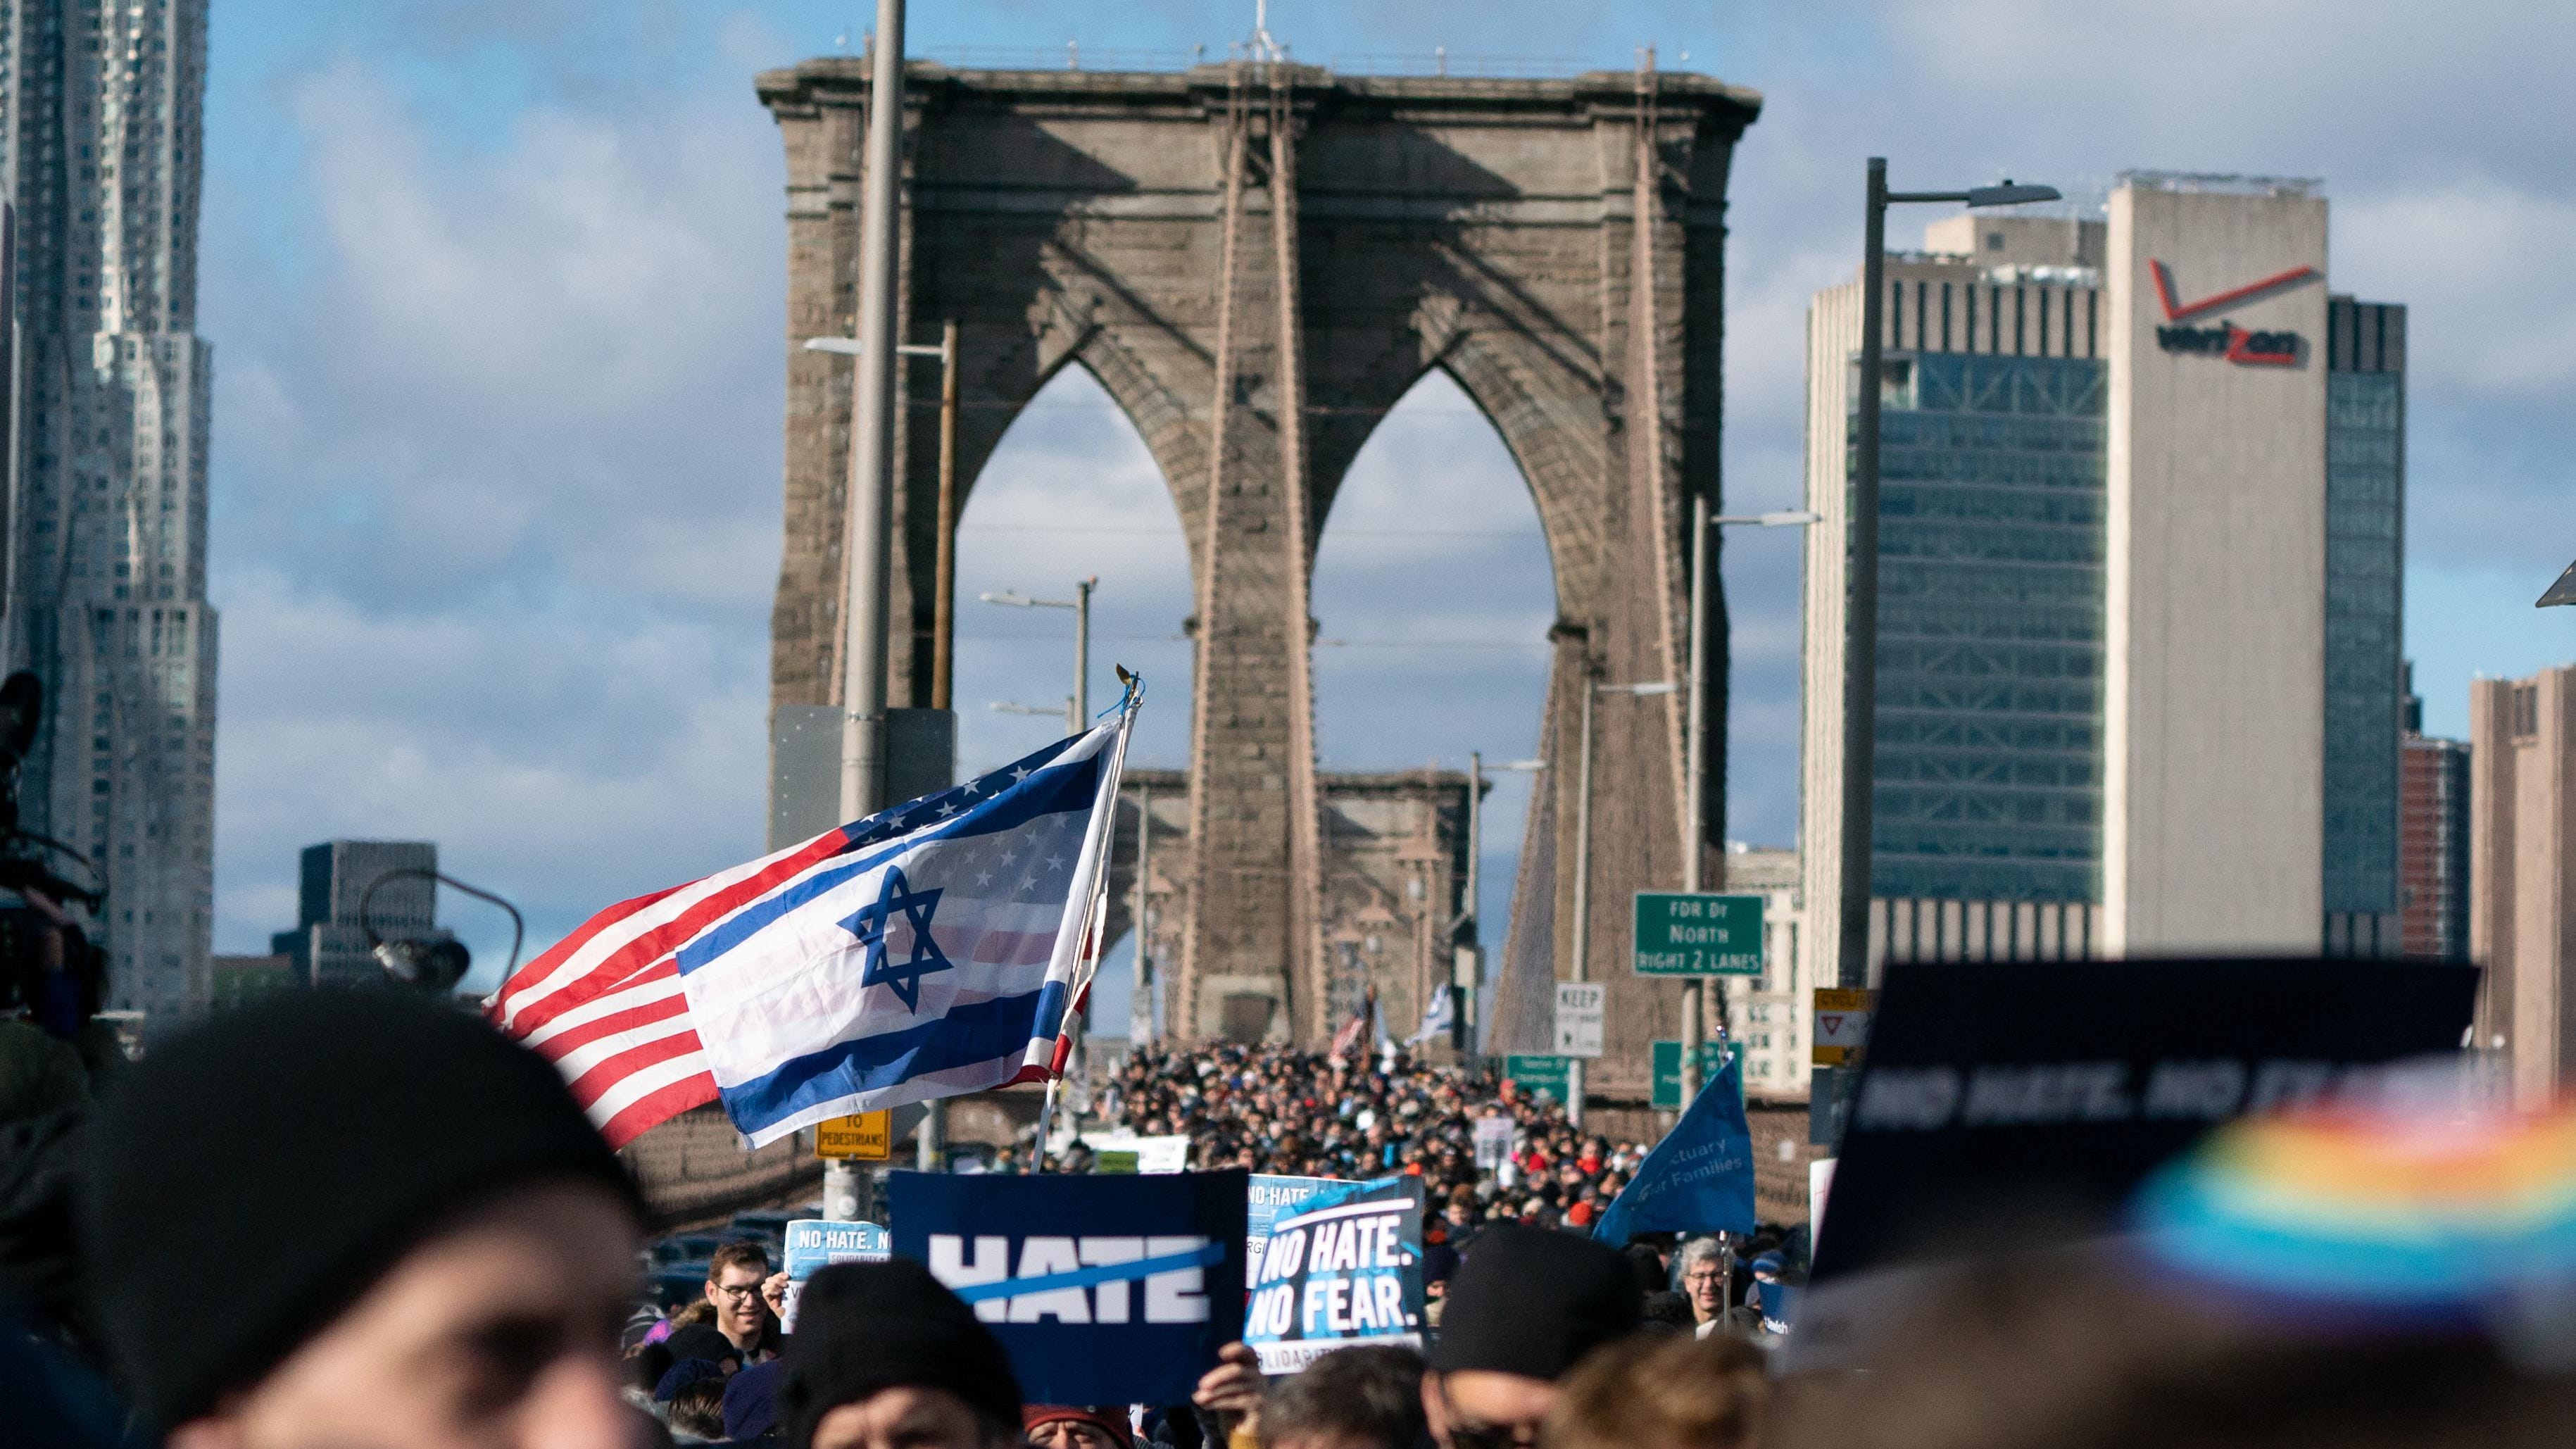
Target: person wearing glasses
x=1707 y=1273
x=737 y=1277
x=1525 y=1307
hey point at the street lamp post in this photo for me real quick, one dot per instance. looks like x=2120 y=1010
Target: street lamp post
x=1860 y=623
x=870 y=497
x=1583 y=864
x=1080 y=604
x=1695 y=752
x=1472 y=919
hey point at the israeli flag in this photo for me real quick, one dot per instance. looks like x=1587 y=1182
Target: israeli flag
x=933 y=952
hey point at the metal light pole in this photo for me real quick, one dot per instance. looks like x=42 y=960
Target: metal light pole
x=1472 y=919
x=1583 y=866
x=870 y=497
x=1080 y=604
x=1695 y=756
x=1140 y=1001
x=1860 y=623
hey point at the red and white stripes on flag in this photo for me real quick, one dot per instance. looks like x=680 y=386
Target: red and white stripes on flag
x=605 y=1004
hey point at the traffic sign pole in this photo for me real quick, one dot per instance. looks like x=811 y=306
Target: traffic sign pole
x=1695 y=762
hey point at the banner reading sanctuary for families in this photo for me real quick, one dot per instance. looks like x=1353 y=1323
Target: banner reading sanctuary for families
x=1344 y=1268
x=1104 y=1290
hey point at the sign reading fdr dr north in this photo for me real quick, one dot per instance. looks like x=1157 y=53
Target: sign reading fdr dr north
x=1698 y=935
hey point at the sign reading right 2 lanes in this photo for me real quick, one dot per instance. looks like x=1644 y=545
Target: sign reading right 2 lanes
x=1697 y=935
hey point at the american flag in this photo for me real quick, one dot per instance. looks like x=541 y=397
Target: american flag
x=929 y=950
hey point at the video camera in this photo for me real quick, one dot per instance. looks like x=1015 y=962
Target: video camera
x=30 y=933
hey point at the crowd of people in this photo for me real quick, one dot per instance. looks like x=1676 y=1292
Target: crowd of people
x=1277 y=1109
x=362 y=1221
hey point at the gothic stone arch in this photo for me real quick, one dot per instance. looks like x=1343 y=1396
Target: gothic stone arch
x=1257 y=262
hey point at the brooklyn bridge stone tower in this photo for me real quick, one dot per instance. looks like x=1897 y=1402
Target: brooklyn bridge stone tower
x=1256 y=262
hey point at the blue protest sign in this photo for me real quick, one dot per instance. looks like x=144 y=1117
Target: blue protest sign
x=1344 y=1268
x=813 y=1243
x=1699 y=1179
x=1104 y=1290
x=1269 y=1199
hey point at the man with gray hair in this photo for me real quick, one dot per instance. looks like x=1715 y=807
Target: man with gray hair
x=1707 y=1273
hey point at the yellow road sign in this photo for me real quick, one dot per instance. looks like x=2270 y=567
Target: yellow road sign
x=1841 y=1025
x=869 y=1137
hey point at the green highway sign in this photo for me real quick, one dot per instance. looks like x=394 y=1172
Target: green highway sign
x=1698 y=935
x=1540 y=1074
x=1668 y=1070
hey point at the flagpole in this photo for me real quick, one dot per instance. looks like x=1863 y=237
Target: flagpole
x=1094 y=922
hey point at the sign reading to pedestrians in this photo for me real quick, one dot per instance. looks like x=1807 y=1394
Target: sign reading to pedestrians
x=867 y=1137
x=1698 y=935
x=1713 y=1057
x=1579 y=1009
x=1539 y=1074
x=1842 y=1024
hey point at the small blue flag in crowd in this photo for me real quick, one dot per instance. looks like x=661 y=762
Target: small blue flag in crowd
x=1699 y=1179
x=927 y=951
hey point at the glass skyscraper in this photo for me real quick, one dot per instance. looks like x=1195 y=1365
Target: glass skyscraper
x=1989 y=781
x=2365 y=538
x=1996 y=534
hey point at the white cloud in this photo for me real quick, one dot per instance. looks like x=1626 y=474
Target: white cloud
x=497 y=488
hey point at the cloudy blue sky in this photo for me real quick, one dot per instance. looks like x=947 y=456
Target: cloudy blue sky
x=495 y=288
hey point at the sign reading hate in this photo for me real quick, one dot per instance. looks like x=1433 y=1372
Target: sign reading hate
x=1104 y=1290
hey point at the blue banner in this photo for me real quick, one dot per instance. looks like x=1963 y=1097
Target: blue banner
x=1105 y=1290
x=1340 y=1269
x=1699 y=1179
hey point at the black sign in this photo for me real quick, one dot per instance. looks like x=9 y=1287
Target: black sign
x=2002 y=1104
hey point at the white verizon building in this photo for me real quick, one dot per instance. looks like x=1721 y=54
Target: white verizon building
x=100 y=136
x=2138 y=659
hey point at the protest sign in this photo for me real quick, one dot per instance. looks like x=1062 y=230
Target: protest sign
x=1271 y=1198
x=1699 y=1179
x=1344 y=1269
x=812 y=1243
x=1104 y=1290
x=1156 y=1155
x=1493 y=1142
x=2029 y=1098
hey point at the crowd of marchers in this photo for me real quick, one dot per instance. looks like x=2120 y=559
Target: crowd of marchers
x=362 y=1221
x=1277 y=1109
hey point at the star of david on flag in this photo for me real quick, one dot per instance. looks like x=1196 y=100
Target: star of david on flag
x=870 y=925
x=926 y=951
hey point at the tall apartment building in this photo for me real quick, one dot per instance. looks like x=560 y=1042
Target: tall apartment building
x=2138 y=654
x=2432 y=840
x=2522 y=874
x=101 y=109
x=328 y=946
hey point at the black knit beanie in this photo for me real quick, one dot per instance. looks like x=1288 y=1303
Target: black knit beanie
x=865 y=1327
x=249 y=1180
x=1531 y=1302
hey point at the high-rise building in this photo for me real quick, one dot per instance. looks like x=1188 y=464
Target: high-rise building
x=2522 y=848
x=2140 y=482
x=2432 y=839
x=100 y=157
x=329 y=944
